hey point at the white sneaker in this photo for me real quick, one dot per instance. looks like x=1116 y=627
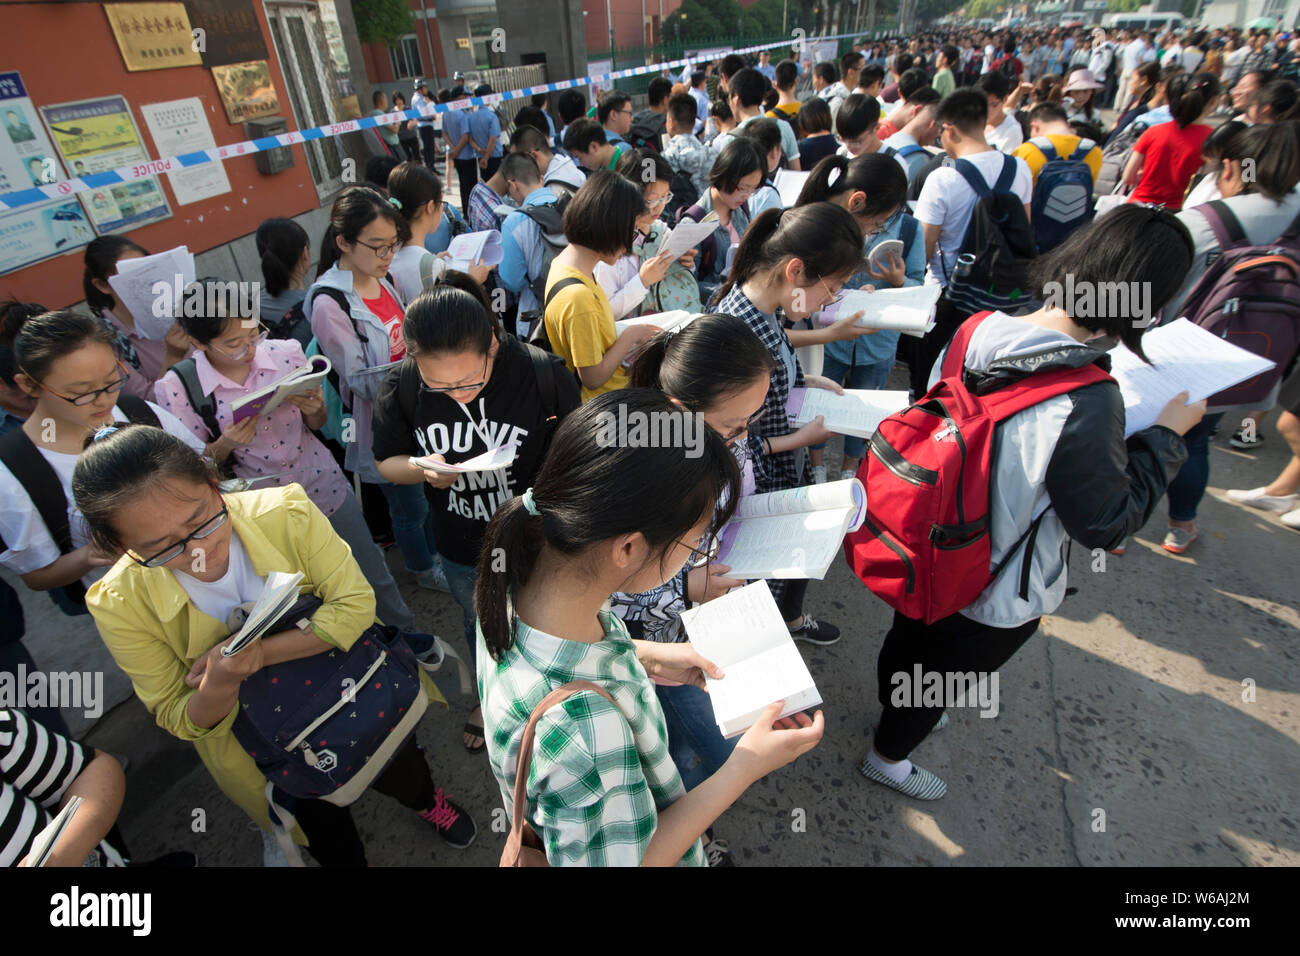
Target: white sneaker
x=845 y=474
x=1292 y=519
x=819 y=474
x=1255 y=498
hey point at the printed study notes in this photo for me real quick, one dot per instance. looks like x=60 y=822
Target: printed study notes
x=473 y=248
x=909 y=309
x=858 y=412
x=795 y=533
x=491 y=460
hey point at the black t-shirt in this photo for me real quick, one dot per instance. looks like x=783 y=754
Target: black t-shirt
x=509 y=409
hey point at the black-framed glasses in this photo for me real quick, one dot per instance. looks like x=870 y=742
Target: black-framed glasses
x=87 y=398
x=443 y=390
x=173 y=551
x=702 y=556
x=749 y=423
x=382 y=252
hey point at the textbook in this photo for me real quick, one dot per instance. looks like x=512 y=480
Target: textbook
x=795 y=533
x=1184 y=357
x=686 y=235
x=879 y=254
x=279 y=594
x=491 y=460
x=473 y=248
x=267 y=399
x=909 y=309
x=664 y=321
x=789 y=183
x=43 y=843
x=151 y=287
x=858 y=412
x=742 y=632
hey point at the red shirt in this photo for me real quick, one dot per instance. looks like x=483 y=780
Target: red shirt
x=390 y=313
x=1172 y=157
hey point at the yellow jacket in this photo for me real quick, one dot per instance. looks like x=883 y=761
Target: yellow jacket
x=155 y=634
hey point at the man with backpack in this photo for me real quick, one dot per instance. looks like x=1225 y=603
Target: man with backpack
x=530 y=237
x=585 y=141
x=745 y=91
x=1008 y=64
x=690 y=159
x=560 y=174
x=922 y=129
x=1065 y=169
x=615 y=116
x=648 y=124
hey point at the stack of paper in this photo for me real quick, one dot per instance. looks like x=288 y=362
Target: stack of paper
x=279 y=594
x=1185 y=358
x=491 y=460
x=743 y=633
x=858 y=412
x=475 y=248
x=686 y=235
x=909 y=309
x=791 y=534
x=152 y=287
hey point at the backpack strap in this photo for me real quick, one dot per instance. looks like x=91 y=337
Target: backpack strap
x=973 y=178
x=1045 y=147
x=559 y=286
x=1007 y=176
x=408 y=388
x=1292 y=232
x=907 y=231
x=204 y=405
x=547 y=387
x=1081 y=151
x=1223 y=223
x=138 y=411
x=1039 y=387
x=955 y=358
x=42 y=484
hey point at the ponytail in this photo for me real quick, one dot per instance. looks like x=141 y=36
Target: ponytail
x=411 y=187
x=1189 y=95
x=749 y=256
x=817 y=187
x=877 y=176
x=824 y=236
x=280 y=243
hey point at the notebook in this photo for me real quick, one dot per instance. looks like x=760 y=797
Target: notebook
x=858 y=412
x=795 y=533
x=268 y=398
x=279 y=594
x=743 y=633
x=43 y=843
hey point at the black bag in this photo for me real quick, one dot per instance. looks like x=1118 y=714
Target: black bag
x=684 y=193
x=537 y=336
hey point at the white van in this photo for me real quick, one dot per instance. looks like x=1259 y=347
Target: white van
x=1154 y=22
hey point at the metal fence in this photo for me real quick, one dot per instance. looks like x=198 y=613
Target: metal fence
x=509 y=78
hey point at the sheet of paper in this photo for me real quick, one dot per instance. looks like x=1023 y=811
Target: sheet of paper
x=473 y=248
x=178 y=127
x=800 y=545
x=150 y=287
x=909 y=309
x=847 y=493
x=1184 y=357
x=789 y=184
x=857 y=412
x=742 y=632
x=664 y=321
x=491 y=460
x=686 y=235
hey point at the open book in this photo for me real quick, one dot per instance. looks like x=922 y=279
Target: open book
x=266 y=399
x=686 y=235
x=1185 y=357
x=791 y=534
x=473 y=248
x=664 y=321
x=742 y=632
x=879 y=254
x=858 y=412
x=490 y=460
x=789 y=183
x=43 y=843
x=279 y=594
x=152 y=287
x=909 y=309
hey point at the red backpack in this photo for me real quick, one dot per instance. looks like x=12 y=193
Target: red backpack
x=924 y=547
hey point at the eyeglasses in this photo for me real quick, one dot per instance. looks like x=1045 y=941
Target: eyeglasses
x=87 y=398
x=261 y=336
x=832 y=297
x=702 y=556
x=745 y=190
x=749 y=422
x=177 y=549
x=382 y=252
x=659 y=203
x=443 y=390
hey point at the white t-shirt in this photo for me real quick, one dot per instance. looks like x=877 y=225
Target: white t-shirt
x=239 y=585
x=565 y=170
x=415 y=269
x=947 y=200
x=1207 y=190
x=1007 y=136
x=30 y=544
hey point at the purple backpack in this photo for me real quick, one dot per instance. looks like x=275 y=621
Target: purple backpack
x=1249 y=297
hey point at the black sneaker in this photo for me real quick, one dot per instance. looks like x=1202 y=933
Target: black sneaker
x=1243 y=442
x=815 y=632
x=716 y=852
x=452 y=823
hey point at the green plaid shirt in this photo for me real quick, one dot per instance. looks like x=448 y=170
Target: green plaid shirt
x=599 y=775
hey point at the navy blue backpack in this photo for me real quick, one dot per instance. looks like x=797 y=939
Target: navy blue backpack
x=1063 y=194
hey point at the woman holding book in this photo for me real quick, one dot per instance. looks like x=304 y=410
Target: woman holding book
x=600 y=519
x=415 y=192
x=68 y=363
x=874 y=189
x=470 y=388
x=233 y=360
x=356 y=316
x=791 y=264
x=737 y=174
x=152 y=503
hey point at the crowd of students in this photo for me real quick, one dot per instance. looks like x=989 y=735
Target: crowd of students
x=576 y=561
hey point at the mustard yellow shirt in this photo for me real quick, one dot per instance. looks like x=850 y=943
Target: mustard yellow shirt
x=580 y=325
x=155 y=634
x=1065 y=144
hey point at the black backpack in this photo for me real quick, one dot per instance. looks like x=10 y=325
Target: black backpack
x=684 y=193
x=42 y=484
x=1001 y=240
x=294 y=324
x=537 y=336
x=550 y=223
x=644 y=133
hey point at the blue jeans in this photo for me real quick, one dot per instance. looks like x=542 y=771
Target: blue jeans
x=694 y=742
x=412 y=525
x=461 y=578
x=1188 y=487
x=860 y=376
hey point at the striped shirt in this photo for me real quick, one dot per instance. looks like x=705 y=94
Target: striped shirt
x=600 y=774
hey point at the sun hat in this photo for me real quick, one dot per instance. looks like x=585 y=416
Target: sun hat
x=1082 y=80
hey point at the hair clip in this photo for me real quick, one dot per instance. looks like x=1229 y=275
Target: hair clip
x=530 y=505
x=102 y=433
x=397 y=203
x=833 y=177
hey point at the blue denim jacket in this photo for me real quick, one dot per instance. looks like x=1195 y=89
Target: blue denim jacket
x=871 y=349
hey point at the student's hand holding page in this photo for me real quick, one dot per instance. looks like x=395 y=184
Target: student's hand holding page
x=892 y=271
x=709 y=581
x=217 y=673
x=1180 y=417
x=679 y=663
x=687 y=259
x=437 y=479
x=654 y=269
x=312 y=406
x=477 y=271
x=236 y=436
x=635 y=336
x=772 y=743
x=821 y=381
x=847 y=329
x=814 y=433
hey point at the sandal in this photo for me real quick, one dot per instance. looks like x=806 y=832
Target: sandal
x=474 y=730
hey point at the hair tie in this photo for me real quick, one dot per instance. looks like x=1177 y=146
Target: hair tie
x=397 y=203
x=833 y=177
x=104 y=432
x=530 y=503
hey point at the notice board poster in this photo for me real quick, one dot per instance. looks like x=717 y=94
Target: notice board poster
x=94 y=136
x=178 y=127
x=28 y=158
x=153 y=36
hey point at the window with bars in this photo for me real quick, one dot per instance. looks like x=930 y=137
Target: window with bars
x=406 y=58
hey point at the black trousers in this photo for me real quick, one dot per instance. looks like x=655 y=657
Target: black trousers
x=955 y=643
x=332 y=833
x=920 y=354
x=467 y=176
x=412 y=147
x=429 y=146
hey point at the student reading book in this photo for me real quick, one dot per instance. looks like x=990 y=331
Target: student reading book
x=233 y=362
x=791 y=534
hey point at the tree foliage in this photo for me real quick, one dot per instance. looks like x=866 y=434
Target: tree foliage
x=382 y=21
